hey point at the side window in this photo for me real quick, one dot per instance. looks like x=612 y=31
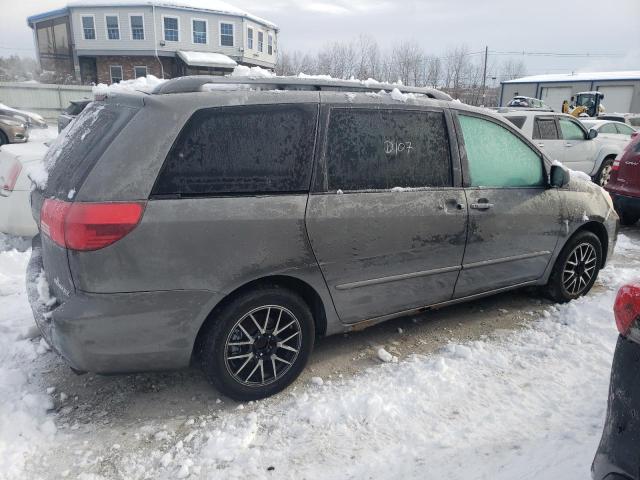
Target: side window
x=382 y=149
x=624 y=129
x=517 y=121
x=252 y=149
x=570 y=131
x=497 y=157
x=546 y=129
x=608 y=128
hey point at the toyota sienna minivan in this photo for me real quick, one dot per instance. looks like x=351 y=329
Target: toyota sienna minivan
x=232 y=226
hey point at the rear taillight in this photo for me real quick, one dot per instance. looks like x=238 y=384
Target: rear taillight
x=627 y=308
x=88 y=226
x=616 y=164
x=9 y=175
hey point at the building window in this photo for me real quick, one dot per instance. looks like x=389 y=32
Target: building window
x=250 y=38
x=116 y=73
x=199 y=29
x=113 y=27
x=140 y=71
x=171 y=29
x=89 y=28
x=260 y=41
x=226 y=34
x=137 y=27
x=270 y=44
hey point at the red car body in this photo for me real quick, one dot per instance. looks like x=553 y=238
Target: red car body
x=624 y=183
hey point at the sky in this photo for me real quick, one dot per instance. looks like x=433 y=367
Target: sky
x=609 y=30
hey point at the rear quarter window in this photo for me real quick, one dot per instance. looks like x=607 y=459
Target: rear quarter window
x=242 y=150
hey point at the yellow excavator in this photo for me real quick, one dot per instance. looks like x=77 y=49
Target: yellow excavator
x=584 y=104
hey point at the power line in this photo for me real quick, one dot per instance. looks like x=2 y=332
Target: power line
x=558 y=54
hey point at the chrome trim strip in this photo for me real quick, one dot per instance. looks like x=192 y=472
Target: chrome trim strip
x=395 y=278
x=524 y=256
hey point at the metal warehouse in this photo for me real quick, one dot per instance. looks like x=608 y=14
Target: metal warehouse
x=621 y=90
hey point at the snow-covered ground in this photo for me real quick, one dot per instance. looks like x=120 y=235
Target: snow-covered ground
x=525 y=403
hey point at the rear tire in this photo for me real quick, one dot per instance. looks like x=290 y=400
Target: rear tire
x=576 y=268
x=602 y=178
x=3 y=139
x=627 y=218
x=258 y=344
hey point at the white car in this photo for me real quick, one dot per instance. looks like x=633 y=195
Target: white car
x=563 y=138
x=610 y=129
x=15 y=187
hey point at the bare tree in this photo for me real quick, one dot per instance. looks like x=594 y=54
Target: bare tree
x=512 y=69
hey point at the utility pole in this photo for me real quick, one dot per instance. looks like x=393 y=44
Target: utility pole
x=484 y=74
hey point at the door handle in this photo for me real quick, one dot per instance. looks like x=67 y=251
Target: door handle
x=568 y=144
x=541 y=144
x=482 y=205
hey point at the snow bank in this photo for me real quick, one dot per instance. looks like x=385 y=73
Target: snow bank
x=25 y=427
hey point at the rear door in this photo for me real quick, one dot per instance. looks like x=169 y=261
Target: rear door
x=514 y=219
x=387 y=217
x=546 y=136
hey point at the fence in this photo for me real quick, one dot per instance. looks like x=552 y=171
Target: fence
x=46 y=99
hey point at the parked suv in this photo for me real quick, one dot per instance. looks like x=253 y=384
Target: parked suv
x=286 y=209
x=562 y=137
x=624 y=184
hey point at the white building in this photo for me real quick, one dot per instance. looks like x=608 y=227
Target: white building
x=104 y=41
x=621 y=89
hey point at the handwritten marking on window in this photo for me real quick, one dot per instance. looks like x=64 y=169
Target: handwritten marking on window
x=393 y=147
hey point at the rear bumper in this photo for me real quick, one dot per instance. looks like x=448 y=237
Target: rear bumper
x=626 y=203
x=121 y=332
x=618 y=450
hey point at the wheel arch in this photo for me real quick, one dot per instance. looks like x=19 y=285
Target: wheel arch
x=307 y=292
x=600 y=231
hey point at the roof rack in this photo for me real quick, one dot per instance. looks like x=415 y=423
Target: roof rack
x=195 y=83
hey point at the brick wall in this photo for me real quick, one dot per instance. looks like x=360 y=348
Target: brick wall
x=103 y=64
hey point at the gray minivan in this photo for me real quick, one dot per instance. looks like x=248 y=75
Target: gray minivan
x=232 y=221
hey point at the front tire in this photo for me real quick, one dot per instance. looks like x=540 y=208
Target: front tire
x=258 y=344
x=605 y=172
x=576 y=268
x=3 y=139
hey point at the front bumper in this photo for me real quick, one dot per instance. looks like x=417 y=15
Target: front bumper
x=619 y=446
x=119 y=332
x=626 y=203
x=16 y=134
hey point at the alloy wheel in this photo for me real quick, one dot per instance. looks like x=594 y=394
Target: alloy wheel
x=579 y=268
x=263 y=345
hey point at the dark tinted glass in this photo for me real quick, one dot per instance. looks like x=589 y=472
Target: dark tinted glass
x=517 y=121
x=242 y=150
x=382 y=149
x=545 y=129
x=76 y=150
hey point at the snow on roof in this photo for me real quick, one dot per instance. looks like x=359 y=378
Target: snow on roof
x=578 y=77
x=206 y=59
x=215 y=6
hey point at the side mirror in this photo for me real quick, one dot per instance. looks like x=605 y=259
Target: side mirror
x=593 y=133
x=559 y=176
